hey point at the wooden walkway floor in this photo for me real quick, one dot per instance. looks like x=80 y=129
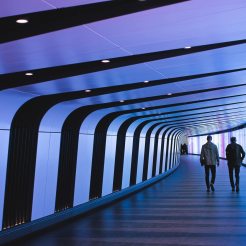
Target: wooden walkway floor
x=175 y=211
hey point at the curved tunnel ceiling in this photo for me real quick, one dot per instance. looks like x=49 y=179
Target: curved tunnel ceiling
x=176 y=62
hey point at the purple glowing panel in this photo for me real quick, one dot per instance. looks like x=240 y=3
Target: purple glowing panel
x=157 y=70
x=203 y=62
x=177 y=25
x=146 y=31
x=78 y=44
x=16 y=7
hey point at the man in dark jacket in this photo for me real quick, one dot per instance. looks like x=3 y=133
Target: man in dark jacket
x=234 y=156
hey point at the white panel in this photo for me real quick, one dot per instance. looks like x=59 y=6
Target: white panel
x=158 y=156
x=165 y=150
x=40 y=175
x=90 y=123
x=116 y=124
x=150 y=161
x=175 y=152
x=131 y=129
x=46 y=175
x=127 y=162
x=170 y=151
x=59 y=112
x=10 y=102
x=52 y=173
x=83 y=171
x=109 y=161
x=164 y=154
x=4 y=143
x=140 y=159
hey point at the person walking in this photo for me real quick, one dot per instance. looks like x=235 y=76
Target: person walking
x=185 y=147
x=209 y=158
x=234 y=155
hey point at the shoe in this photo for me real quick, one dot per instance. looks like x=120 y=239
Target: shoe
x=237 y=188
x=208 y=190
x=212 y=187
x=233 y=188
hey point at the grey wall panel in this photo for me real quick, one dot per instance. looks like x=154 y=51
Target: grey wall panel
x=162 y=156
x=127 y=162
x=158 y=155
x=140 y=159
x=165 y=150
x=109 y=161
x=83 y=171
x=45 y=182
x=169 y=150
x=41 y=172
x=151 y=153
x=153 y=139
x=173 y=152
x=175 y=140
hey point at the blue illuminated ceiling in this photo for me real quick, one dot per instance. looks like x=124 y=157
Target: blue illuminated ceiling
x=156 y=29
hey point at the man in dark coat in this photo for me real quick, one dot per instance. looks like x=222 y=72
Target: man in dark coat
x=234 y=155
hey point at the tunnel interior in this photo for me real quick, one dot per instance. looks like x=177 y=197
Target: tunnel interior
x=97 y=96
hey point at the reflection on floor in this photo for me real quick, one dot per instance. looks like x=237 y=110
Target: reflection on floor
x=175 y=211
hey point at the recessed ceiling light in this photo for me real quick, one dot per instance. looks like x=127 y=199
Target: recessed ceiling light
x=122 y=101
x=22 y=21
x=187 y=47
x=146 y=81
x=169 y=94
x=29 y=74
x=105 y=61
x=87 y=90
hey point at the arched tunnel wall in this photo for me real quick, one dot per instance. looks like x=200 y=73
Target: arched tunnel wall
x=221 y=140
x=79 y=157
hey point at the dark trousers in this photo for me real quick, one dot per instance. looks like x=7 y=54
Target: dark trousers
x=237 y=171
x=213 y=171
